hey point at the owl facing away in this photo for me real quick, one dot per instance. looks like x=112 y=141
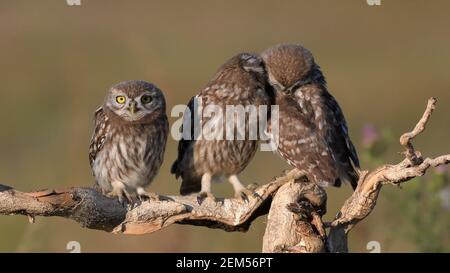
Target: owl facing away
x=313 y=133
x=127 y=147
x=240 y=81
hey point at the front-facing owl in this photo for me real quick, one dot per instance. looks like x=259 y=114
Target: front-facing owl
x=241 y=81
x=127 y=147
x=313 y=134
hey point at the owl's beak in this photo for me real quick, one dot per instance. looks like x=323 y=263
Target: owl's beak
x=133 y=108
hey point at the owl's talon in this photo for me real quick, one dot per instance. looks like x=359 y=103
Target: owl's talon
x=146 y=196
x=244 y=194
x=150 y=196
x=253 y=187
x=126 y=200
x=123 y=196
x=128 y=197
x=123 y=201
x=203 y=195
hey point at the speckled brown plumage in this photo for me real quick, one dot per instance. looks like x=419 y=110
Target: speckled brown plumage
x=240 y=81
x=314 y=135
x=127 y=147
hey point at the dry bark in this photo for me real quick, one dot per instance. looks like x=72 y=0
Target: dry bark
x=95 y=211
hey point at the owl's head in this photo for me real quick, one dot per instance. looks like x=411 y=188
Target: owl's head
x=135 y=101
x=290 y=66
x=242 y=66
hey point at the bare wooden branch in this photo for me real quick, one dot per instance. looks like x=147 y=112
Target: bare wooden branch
x=361 y=203
x=406 y=138
x=288 y=229
x=93 y=210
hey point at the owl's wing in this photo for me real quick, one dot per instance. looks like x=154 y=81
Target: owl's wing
x=183 y=164
x=302 y=146
x=341 y=126
x=339 y=141
x=99 y=136
x=184 y=144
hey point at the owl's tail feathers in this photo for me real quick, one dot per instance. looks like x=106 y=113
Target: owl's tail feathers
x=189 y=184
x=325 y=177
x=174 y=169
x=352 y=177
x=332 y=179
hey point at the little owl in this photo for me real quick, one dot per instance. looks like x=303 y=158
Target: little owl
x=127 y=147
x=239 y=82
x=313 y=134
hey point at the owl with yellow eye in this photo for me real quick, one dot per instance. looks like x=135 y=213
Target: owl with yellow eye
x=127 y=147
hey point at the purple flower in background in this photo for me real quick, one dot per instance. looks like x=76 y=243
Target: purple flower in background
x=370 y=135
x=441 y=169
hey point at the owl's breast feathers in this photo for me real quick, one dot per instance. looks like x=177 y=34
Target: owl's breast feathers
x=130 y=153
x=197 y=156
x=301 y=144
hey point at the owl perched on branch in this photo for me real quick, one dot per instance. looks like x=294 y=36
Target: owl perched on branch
x=127 y=147
x=313 y=134
x=241 y=81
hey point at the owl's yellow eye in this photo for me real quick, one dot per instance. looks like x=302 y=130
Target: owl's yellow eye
x=146 y=99
x=121 y=99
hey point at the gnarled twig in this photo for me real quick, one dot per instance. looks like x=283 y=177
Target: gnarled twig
x=361 y=203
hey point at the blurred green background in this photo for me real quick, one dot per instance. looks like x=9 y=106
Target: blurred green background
x=382 y=63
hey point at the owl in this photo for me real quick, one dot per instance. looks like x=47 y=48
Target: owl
x=127 y=147
x=313 y=134
x=241 y=81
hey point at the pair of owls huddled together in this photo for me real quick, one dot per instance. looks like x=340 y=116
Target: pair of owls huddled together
x=131 y=128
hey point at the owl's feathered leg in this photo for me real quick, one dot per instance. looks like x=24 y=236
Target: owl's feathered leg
x=145 y=195
x=206 y=188
x=120 y=191
x=240 y=191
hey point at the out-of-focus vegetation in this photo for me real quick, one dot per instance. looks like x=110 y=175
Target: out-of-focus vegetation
x=426 y=209
x=381 y=63
x=424 y=205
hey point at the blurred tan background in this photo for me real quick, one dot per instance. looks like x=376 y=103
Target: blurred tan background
x=57 y=61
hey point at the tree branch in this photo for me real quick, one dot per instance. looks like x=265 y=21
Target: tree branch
x=405 y=139
x=361 y=203
x=93 y=210
x=290 y=225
